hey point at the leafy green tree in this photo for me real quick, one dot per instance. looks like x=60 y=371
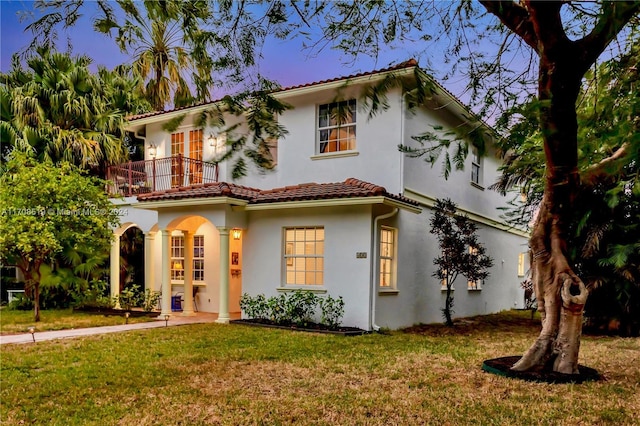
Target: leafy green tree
x=49 y=211
x=60 y=111
x=604 y=236
x=461 y=253
x=564 y=39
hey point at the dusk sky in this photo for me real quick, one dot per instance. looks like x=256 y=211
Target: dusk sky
x=283 y=61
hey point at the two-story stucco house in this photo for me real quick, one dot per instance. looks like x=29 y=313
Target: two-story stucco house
x=343 y=213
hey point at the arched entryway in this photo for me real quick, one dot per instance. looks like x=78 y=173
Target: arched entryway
x=200 y=263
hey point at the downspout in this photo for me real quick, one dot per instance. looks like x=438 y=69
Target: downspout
x=374 y=269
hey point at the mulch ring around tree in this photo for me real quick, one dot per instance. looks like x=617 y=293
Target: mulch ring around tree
x=502 y=367
x=309 y=327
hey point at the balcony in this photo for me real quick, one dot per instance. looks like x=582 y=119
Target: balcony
x=142 y=177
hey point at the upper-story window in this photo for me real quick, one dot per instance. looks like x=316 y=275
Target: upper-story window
x=476 y=169
x=337 y=127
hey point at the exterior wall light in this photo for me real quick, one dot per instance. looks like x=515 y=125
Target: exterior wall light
x=237 y=233
x=153 y=150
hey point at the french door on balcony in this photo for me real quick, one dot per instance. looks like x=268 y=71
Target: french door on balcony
x=177 y=152
x=195 y=153
x=186 y=171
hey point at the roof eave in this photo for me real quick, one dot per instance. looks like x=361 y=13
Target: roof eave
x=314 y=87
x=330 y=202
x=187 y=202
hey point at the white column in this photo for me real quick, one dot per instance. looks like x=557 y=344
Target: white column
x=166 y=273
x=223 y=310
x=187 y=308
x=114 y=262
x=149 y=267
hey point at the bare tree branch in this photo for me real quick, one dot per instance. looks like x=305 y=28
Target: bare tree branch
x=515 y=17
x=602 y=170
x=614 y=16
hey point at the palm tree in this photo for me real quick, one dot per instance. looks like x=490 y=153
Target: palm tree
x=166 y=46
x=58 y=110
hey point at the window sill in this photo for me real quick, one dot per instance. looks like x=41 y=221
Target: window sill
x=387 y=292
x=445 y=289
x=474 y=289
x=314 y=289
x=193 y=283
x=476 y=185
x=336 y=154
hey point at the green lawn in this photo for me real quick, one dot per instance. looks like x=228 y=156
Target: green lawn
x=15 y=322
x=236 y=375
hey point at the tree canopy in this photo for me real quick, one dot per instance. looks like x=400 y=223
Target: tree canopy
x=48 y=210
x=59 y=111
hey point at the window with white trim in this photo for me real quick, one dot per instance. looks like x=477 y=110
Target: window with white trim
x=304 y=255
x=177 y=258
x=198 y=257
x=475 y=166
x=337 y=127
x=521 y=264
x=387 y=255
x=443 y=282
x=474 y=285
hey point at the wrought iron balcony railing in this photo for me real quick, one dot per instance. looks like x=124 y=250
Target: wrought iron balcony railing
x=141 y=177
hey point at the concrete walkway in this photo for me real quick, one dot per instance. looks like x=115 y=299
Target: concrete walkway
x=174 y=320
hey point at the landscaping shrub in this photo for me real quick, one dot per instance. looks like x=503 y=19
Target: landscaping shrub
x=150 y=301
x=332 y=311
x=298 y=307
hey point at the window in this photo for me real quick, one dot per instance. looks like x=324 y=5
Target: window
x=195 y=152
x=198 y=257
x=304 y=256
x=443 y=282
x=521 y=263
x=177 y=258
x=337 y=126
x=177 y=150
x=474 y=285
x=475 y=166
x=387 y=257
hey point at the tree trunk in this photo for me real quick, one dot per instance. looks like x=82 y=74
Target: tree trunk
x=447 y=307
x=32 y=285
x=560 y=293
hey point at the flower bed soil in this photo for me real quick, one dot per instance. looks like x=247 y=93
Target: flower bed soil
x=502 y=367
x=116 y=312
x=310 y=327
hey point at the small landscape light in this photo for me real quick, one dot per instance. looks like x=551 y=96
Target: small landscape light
x=126 y=317
x=32 y=330
x=166 y=320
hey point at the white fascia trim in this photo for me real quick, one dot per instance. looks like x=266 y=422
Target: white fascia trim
x=341 y=83
x=163 y=116
x=156 y=205
x=333 y=202
x=430 y=201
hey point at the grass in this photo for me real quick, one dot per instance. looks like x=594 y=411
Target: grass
x=15 y=322
x=237 y=375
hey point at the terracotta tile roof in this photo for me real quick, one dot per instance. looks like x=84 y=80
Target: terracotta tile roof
x=205 y=190
x=350 y=188
x=406 y=64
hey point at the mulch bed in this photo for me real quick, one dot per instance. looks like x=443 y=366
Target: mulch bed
x=310 y=327
x=502 y=367
x=116 y=312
